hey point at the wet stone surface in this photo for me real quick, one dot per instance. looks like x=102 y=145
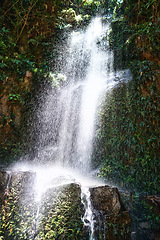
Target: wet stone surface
x=22 y=182
x=3 y=181
x=58 y=212
x=105 y=198
x=111 y=221
x=61 y=214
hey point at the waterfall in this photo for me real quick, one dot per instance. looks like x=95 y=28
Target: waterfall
x=68 y=117
x=88 y=216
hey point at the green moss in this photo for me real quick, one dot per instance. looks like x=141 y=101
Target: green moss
x=62 y=216
x=16 y=218
x=129 y=138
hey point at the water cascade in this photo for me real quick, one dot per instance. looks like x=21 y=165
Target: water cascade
x=67 y=123
x=88 y=216
x=70 y=118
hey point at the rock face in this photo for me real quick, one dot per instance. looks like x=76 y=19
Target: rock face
x=22 y=182
x=3 y=186
x=106 y=199
x=56 y=215
x=59 y=211
x=62 y=213
x=111 y=221
x=18 y=208
x=3 y=182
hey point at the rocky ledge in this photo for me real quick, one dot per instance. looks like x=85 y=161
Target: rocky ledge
x=59 y=211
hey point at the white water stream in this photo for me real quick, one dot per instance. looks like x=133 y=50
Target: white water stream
x=68 y=118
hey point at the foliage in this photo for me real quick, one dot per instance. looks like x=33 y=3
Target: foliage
x=128 y=140
x=16 y=219
x=57 y=79
x=29 y=33
x=121 y=40
x=62 y=216
x=141 y=212
x=12 y=63
x=26 y=29
x=93 y=7
x=144 y=17
x=58 y=214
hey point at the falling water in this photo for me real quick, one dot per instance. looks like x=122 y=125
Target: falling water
x=67 y=119
x=88 y=218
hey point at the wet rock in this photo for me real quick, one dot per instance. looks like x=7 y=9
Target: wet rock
x=69 y=192
x=133 y=235
x=155 y=235
x=22 y=182
x=154 y=201
x=12 y=104
x=22 y=194
x=61 y=209
x=141 y=234
x=3 y=182
x=111 y=221
x=105 y=198
x=4 y=175
x=145 y=234
x=18 y=208
x=144 y=225
x=58 y=212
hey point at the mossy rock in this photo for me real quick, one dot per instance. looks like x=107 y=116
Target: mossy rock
x=62 y=213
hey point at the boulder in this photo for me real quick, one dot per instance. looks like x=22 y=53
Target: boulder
x=58 y=212
x=111 y=220
x=4 y=175
x=61 y=213
x=22 y=183
x=18 y=209
x=4 y=178
x=106 y=199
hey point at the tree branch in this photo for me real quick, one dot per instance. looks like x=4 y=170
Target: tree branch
x=78 y=6
x=27 y=15
x=11 y=7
